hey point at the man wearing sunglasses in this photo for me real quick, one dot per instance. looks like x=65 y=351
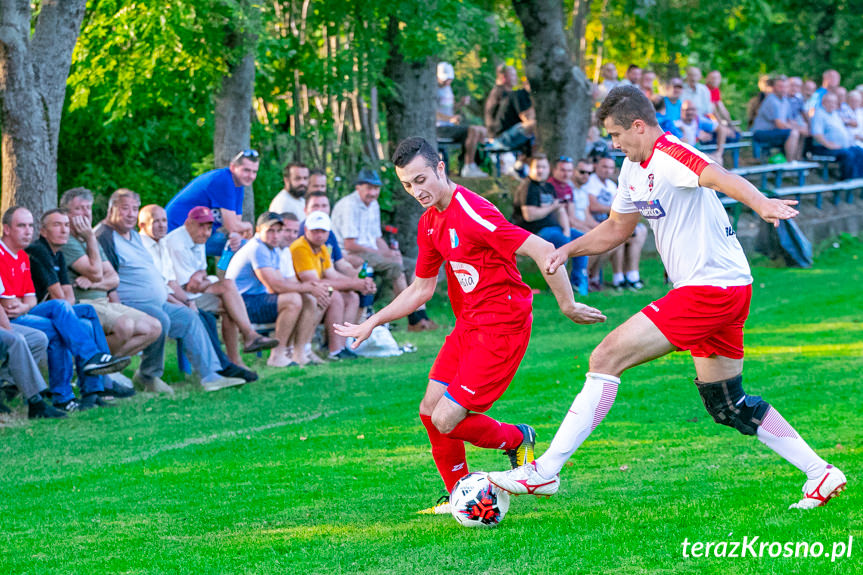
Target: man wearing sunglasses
x=222 y=191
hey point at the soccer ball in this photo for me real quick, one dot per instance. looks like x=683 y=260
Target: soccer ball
x=475 y=502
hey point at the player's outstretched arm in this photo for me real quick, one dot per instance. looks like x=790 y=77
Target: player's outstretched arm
x=770 y=209
x=607 y=235
x=539 y=250
x=416 y=294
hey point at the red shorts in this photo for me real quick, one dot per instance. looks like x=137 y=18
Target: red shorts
x=704 y=320
x=477 y=366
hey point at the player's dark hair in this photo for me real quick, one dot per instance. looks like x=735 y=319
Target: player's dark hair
x=52 y=212
x=315 y=194
x=286 y=172
x=410 y=148
x=624 y=105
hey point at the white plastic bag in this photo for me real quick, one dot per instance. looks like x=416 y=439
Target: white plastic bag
x=380 y=343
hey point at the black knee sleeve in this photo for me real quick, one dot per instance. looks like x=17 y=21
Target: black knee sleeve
x=729 y=405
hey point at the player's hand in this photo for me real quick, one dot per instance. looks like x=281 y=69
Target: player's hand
x=773 y=210
x=555 y=259
x=584 y=314
x=360 y=332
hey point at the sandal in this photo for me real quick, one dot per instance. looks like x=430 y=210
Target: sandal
x=261 y=343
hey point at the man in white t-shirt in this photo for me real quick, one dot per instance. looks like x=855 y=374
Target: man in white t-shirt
x=292 y=197
x=672 y=185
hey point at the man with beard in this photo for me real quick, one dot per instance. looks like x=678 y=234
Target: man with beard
x=222 y=191
x=293 y=197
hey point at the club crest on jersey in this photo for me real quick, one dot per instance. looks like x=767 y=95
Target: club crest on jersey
x=453 y=238
x=650 y=184
x=650 y=210
x=466 y=274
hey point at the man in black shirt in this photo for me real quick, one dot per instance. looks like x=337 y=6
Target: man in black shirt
x=509 y=114
x=537 y=209
x=51 y=280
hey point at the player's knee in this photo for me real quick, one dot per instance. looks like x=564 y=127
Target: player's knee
x=442 y=422
x=604 y=360
x=728 y=404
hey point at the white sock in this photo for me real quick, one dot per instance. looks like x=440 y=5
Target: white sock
x=589 y=408
x=778 y=435
x=633 y=276
x=617 y=279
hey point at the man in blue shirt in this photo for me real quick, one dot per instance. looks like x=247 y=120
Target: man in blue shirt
x=222 y=191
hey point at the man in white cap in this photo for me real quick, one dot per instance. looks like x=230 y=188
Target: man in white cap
x=312 y=263
x=454 y=126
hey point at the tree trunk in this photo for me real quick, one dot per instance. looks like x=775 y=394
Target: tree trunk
x=33 y=73
x=233 y=102
x=410 y=111
x=560 y=91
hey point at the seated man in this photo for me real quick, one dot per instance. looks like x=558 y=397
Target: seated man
x=831 y=137
x=222 y=191
x=51 y=281
x=662 y=118
x=143 y=288
x=509 y=115
x=537 y=209
x=68 y=335
x=185 y=249
x=626 y=258
x=567 y=184
x=94 y=281
x=292 y=197
x=699 y=129
x=356 y=222
x=673 y=102
x=296 y=308
x=312 y=263
x=153 y=225
x=453 y=126
x=320 y=202
x=317 y=181
x=775 y=124
x=718 y=110
x=24 y=349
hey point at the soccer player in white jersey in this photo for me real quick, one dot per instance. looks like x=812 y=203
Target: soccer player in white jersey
x=492 y=306
x=672 y=186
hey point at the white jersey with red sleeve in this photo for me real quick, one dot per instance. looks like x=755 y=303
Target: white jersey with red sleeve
x=694 y=237
x=478 y=246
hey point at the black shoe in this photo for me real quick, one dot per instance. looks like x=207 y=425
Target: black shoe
x=92 y=400
x=523 y=454
x=10 y=390
x=68 y=406
x=234 y=370
x=116 y=391
x=44 y=410
x=619 y=287
x=344 y=353
x=105 y=363
x=634 y=286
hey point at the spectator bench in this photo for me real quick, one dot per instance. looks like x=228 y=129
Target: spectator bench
x=733 y=147
x=764 y=170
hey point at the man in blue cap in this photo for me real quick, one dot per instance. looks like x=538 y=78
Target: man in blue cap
x=356 y=222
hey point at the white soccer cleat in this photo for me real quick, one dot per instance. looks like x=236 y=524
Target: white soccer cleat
x=817 y=492
x=525 y=480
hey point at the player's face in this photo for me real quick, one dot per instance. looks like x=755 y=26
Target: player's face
x=628 y=141
x=427 y=185
x=55 y=229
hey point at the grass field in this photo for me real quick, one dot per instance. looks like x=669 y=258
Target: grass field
x=321 y=470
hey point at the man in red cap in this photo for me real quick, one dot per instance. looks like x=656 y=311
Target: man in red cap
x=185 y=247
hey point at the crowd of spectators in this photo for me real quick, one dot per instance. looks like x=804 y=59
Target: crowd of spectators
x=81 y=300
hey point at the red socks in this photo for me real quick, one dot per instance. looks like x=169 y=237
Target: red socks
x=483 y=431
x=448 y=454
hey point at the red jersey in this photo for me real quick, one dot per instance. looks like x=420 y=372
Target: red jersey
x=478 y=245
x=15 y=273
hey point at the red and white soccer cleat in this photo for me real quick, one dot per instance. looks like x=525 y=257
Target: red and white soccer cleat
x=525 y=480
x=817 y=492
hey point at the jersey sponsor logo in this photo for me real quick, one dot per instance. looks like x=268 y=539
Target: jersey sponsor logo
x=453 y=238
x=430 y=231
x=466 y=275
x=651 y=210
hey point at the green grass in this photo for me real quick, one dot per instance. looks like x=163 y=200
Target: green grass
x=320 y=471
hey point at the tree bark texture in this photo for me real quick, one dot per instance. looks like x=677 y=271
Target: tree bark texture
x=560 y=91
x=233 y=103
x=410 y=111
x=33 y=73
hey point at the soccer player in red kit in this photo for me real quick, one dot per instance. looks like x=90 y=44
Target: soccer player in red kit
x=492 y=306
x=672 y=185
